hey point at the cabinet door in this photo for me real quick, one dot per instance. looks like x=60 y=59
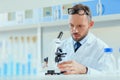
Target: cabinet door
x=111 y=6
x=92 y=6
x=103 y=7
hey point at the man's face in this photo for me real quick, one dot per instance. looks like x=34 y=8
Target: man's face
x=79 y=26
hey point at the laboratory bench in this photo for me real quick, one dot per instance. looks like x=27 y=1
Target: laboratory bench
x=65 y=77
x=82 y=77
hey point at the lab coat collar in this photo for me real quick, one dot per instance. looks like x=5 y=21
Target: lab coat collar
x=90 y=37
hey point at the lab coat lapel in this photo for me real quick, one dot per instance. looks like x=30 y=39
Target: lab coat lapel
x=81 y=49
x=71 y=47
x=86 y=44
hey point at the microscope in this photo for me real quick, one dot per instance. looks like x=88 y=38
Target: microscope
x=57 y=58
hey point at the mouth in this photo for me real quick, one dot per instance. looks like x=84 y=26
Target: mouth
x=75 y=35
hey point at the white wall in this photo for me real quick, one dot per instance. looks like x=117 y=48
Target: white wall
x=111 y=35
x=49 y=34
x=15 y=5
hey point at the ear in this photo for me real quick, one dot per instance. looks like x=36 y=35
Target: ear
x=91 y=24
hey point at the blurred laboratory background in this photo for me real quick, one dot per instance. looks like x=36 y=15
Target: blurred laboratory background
x=28 y=28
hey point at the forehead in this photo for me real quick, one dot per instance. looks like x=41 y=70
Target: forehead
x=77 y=18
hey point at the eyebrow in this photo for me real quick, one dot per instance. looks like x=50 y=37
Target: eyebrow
x=76 y=25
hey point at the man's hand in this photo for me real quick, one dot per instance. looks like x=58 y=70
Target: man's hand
x=72 y=67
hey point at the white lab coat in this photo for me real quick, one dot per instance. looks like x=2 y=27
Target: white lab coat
x=90 y=54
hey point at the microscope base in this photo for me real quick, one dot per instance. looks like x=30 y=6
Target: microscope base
x=52 y=72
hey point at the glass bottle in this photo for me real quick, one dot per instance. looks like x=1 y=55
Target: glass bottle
x=109 y=60
x=118 y=62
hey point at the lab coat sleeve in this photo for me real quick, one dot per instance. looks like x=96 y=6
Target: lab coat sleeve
x=107 y=64
x=93 y=71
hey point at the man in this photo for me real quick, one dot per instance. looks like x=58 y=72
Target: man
x=85 y=52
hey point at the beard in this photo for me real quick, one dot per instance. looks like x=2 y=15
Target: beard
x=78 y=37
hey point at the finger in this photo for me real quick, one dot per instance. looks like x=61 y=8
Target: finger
x=65 y=62
x=70 y=72
x=66 y=69
x=64 y=65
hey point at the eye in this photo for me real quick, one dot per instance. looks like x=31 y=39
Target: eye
x=79 y=25
x=71 y=25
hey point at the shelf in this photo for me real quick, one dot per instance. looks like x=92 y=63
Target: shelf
x=19 y=27
x=106 y=20
x=56 y=23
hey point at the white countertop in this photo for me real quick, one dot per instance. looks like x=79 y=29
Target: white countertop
x=65 y=77
x=107 y=76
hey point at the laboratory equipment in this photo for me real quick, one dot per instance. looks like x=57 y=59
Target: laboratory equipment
x=118 y=62
x=58 y=54
x=109 y=60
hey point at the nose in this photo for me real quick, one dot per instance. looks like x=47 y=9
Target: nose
x=75 y=29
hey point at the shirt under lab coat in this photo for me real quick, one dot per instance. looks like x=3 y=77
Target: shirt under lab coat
x=90 y=54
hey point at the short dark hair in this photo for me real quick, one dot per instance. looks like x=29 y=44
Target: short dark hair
x=85 y=8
